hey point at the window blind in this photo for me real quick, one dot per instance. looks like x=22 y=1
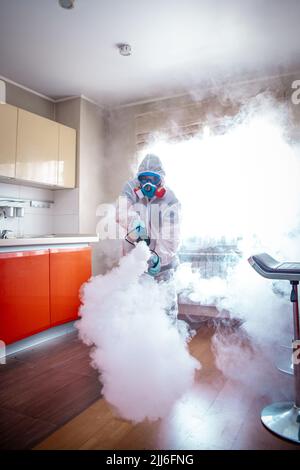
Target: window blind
x=188 y=120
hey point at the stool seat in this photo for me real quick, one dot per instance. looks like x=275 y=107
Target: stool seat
x=270 y=268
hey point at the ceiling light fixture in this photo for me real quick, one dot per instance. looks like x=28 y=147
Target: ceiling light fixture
x=67 y=4
x=124 y=49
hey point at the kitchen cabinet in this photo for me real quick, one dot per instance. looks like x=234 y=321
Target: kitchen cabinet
x=66 y=157
x=37 y=148
x=8 y=139
x=40 y=289
x=69 y=269
x=45 y=151
x=24 y=294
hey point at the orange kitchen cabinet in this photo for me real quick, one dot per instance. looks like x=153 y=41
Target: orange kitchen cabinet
x=24 y=294
x=69 y=269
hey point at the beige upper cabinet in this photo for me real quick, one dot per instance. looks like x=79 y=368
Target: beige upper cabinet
x=66 y=157
x=37 y=148
x=8 y=139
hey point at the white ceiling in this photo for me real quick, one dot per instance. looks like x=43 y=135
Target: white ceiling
x=177 y=45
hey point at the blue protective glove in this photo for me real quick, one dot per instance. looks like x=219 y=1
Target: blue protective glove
x=154 y=265
x=138 y=230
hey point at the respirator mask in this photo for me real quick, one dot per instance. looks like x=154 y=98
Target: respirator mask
x=150 y=185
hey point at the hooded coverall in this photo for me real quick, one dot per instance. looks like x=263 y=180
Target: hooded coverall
x=160 y=216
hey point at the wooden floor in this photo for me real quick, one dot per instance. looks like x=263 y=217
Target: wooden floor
x=216 y=414
x=51 y=399
x=42 y=388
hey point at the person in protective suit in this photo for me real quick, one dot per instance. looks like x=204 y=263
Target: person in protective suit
x=152 y=215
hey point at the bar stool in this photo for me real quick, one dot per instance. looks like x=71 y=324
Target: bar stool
x=284 y=418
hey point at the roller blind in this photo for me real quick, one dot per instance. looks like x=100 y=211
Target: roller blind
x=187 y=120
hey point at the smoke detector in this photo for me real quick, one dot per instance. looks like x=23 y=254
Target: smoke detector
x=67 y=4
x=124 y=49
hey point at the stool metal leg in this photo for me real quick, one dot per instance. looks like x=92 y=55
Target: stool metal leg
x=285 y=363
x=284 y=418
x=296 y=346
x=286 y=368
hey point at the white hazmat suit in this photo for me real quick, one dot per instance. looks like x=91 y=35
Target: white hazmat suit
x=160 y=215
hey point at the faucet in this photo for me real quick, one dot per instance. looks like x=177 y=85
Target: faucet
x=3 y=234
x=6 y=211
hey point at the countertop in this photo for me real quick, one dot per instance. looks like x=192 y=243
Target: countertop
x=51 y=239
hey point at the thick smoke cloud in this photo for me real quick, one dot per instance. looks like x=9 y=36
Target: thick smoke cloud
x=241 y=186
x=142 y=357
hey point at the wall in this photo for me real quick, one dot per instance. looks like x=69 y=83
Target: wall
x=66 y=207
x=36 y=221
x=91 y=175
x=120 y=150
x=24 y=99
